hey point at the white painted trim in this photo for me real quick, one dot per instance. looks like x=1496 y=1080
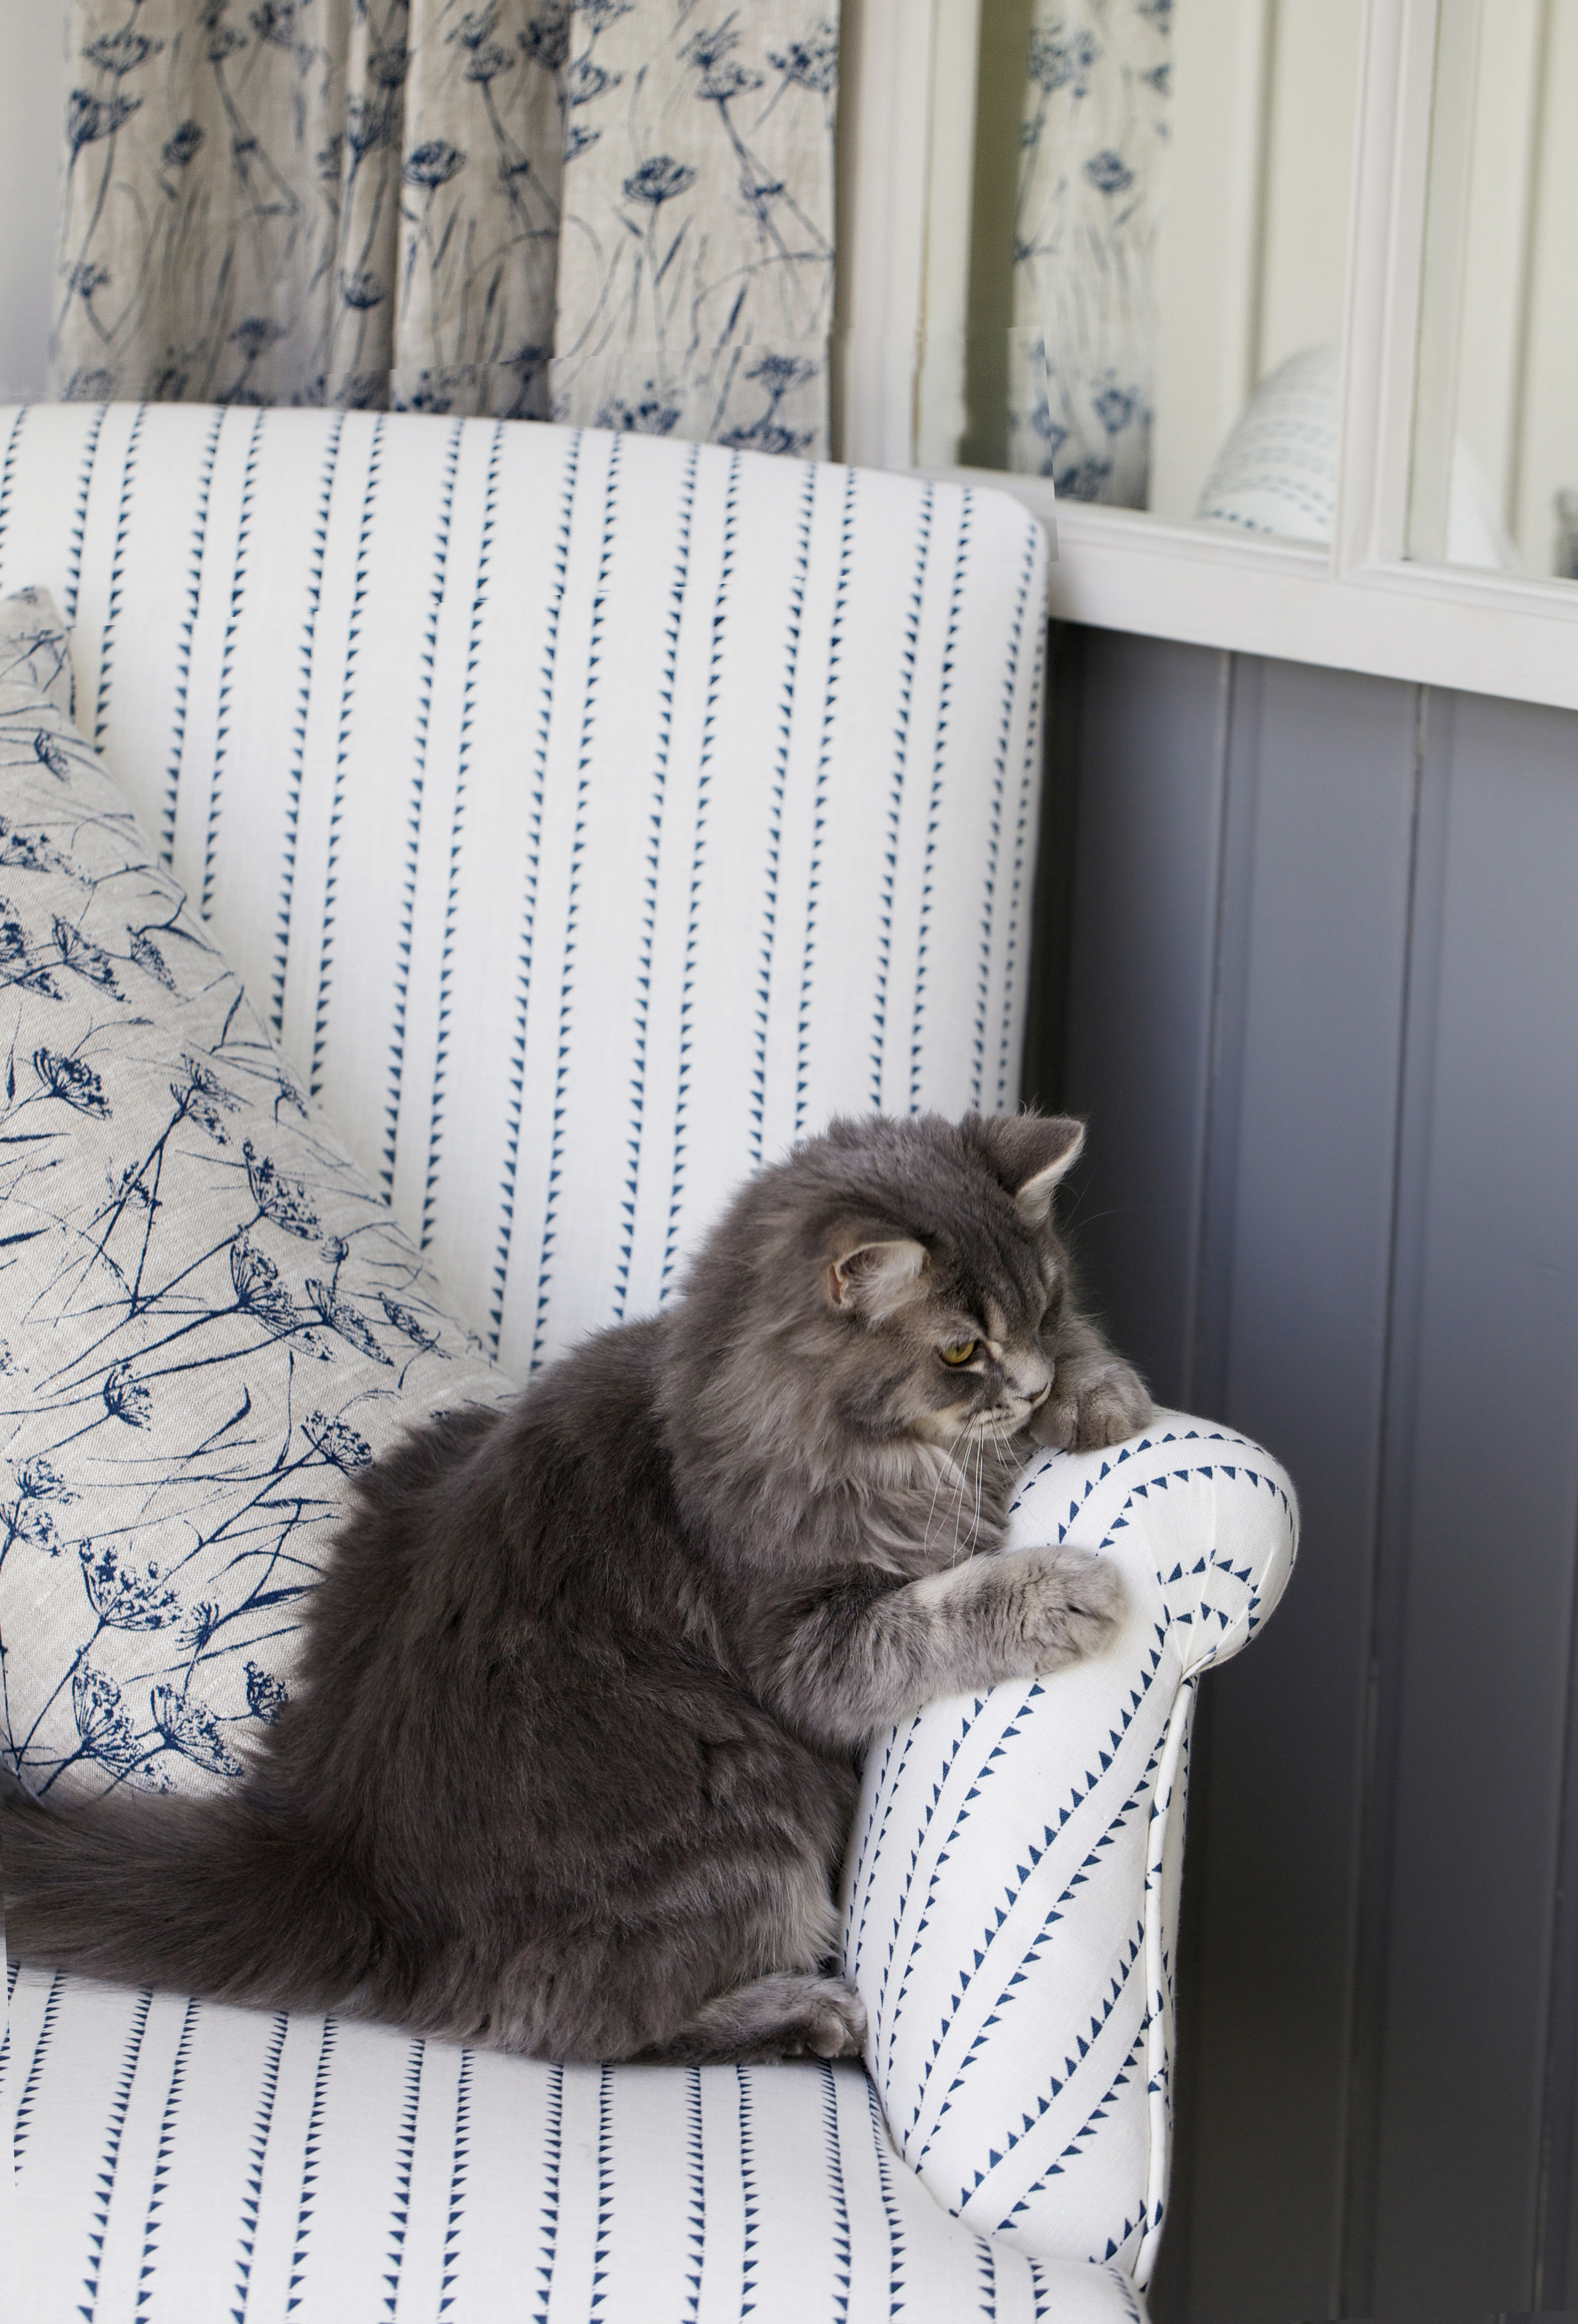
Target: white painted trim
x=885 y=108
x=1361 y=606
x=1392 y=163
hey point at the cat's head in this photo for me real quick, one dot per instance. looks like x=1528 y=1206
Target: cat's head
x=893 y=1280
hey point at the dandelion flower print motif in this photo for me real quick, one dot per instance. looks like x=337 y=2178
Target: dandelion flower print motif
x=121 y=52
x=73 y=1083
x=89 y=118
x=192 y=1729
x=1114 y=409
x=545 y=38
x=26 y=1518
x=650 y=417
x=275 y=21
x=342 y=1317
x=123 y=1599
x=283 y=1201
x=1109 y=173
x=586 y=81
x=148 y=957
x=45 y=749
x=433 y=164
x=16 y=968
x=411 y=1325
x=38 y=1480
x=290 y=1095
x=83 y=957
x=812 y=63
x=720 y=80
x=205 y=1100
x=338 y=1441
x=266 y=1696
x=100 y=1718
x=659 y=180
x=1055 y=62
x=127 y=1399
x=387 y=68
x=181 y=147
x=486 y=64
x=198 y=1624
x=258 y=1291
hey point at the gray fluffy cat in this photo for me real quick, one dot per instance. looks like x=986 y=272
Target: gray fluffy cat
x=572 y=1759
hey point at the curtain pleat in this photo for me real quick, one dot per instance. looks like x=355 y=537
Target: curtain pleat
x=618 y=212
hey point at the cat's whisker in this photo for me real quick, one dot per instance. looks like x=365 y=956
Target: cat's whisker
x=980 y=1481
x=943 y=1466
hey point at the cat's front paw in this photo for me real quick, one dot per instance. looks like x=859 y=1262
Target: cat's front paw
x=830 y=2023
x=1097 y=1408
x=1065 y=1603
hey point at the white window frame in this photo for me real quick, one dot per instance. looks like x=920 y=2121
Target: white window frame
x=1361 y=605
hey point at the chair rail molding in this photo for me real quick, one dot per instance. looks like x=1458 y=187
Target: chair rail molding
x=1361 y=605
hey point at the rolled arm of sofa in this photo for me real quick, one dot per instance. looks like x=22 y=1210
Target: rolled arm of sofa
x=1011 y=1883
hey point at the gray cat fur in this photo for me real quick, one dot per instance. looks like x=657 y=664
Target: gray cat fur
x=573 y=1754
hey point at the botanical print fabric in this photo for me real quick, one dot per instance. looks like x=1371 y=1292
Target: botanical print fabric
x=210 y=1321
x=1094 y=145
x=614 y=212
x=696 y=267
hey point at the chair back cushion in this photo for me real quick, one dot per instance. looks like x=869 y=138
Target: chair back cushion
x=588 y=814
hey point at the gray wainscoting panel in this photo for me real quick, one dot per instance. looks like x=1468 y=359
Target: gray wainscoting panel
x=1481 y=1666
x=1151 y=769
x=1321 y=1007
x=1294 y=1315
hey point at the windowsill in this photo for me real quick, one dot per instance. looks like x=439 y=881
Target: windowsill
x=1482 y=632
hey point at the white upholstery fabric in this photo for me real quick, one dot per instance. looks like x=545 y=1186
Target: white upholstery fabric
x=590 y=814
x=1021 y=2000
x=180 y=2162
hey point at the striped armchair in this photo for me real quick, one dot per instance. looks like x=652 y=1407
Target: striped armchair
x=587 y=816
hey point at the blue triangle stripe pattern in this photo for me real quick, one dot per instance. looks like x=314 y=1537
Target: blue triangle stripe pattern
x=161 y=2157
x=398 y=698
x=778 y=2186
x=1021 y=2010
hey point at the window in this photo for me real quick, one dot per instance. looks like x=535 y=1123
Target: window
x=1299 y=199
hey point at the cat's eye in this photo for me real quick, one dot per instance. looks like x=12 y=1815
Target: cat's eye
x=960 y=1352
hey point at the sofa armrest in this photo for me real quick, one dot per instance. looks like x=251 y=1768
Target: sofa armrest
x=1012 y=1885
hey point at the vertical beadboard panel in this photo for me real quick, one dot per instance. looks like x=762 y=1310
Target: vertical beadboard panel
x=1481 y=1668
x=1151 y=753
x=1322 y=1003
x=1294 y=1308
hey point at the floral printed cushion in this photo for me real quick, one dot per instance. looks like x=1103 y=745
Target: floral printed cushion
x=209 y=1319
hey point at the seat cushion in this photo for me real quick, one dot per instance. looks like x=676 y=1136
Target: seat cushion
x=179 y=2161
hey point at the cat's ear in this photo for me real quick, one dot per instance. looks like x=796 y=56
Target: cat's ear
x=1032 y=1153
x=875 y=1277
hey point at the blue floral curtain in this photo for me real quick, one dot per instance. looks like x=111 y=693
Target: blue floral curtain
x=611 y=211
x=1094 y=142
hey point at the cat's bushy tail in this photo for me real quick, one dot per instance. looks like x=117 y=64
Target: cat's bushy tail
x=216 y=1898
